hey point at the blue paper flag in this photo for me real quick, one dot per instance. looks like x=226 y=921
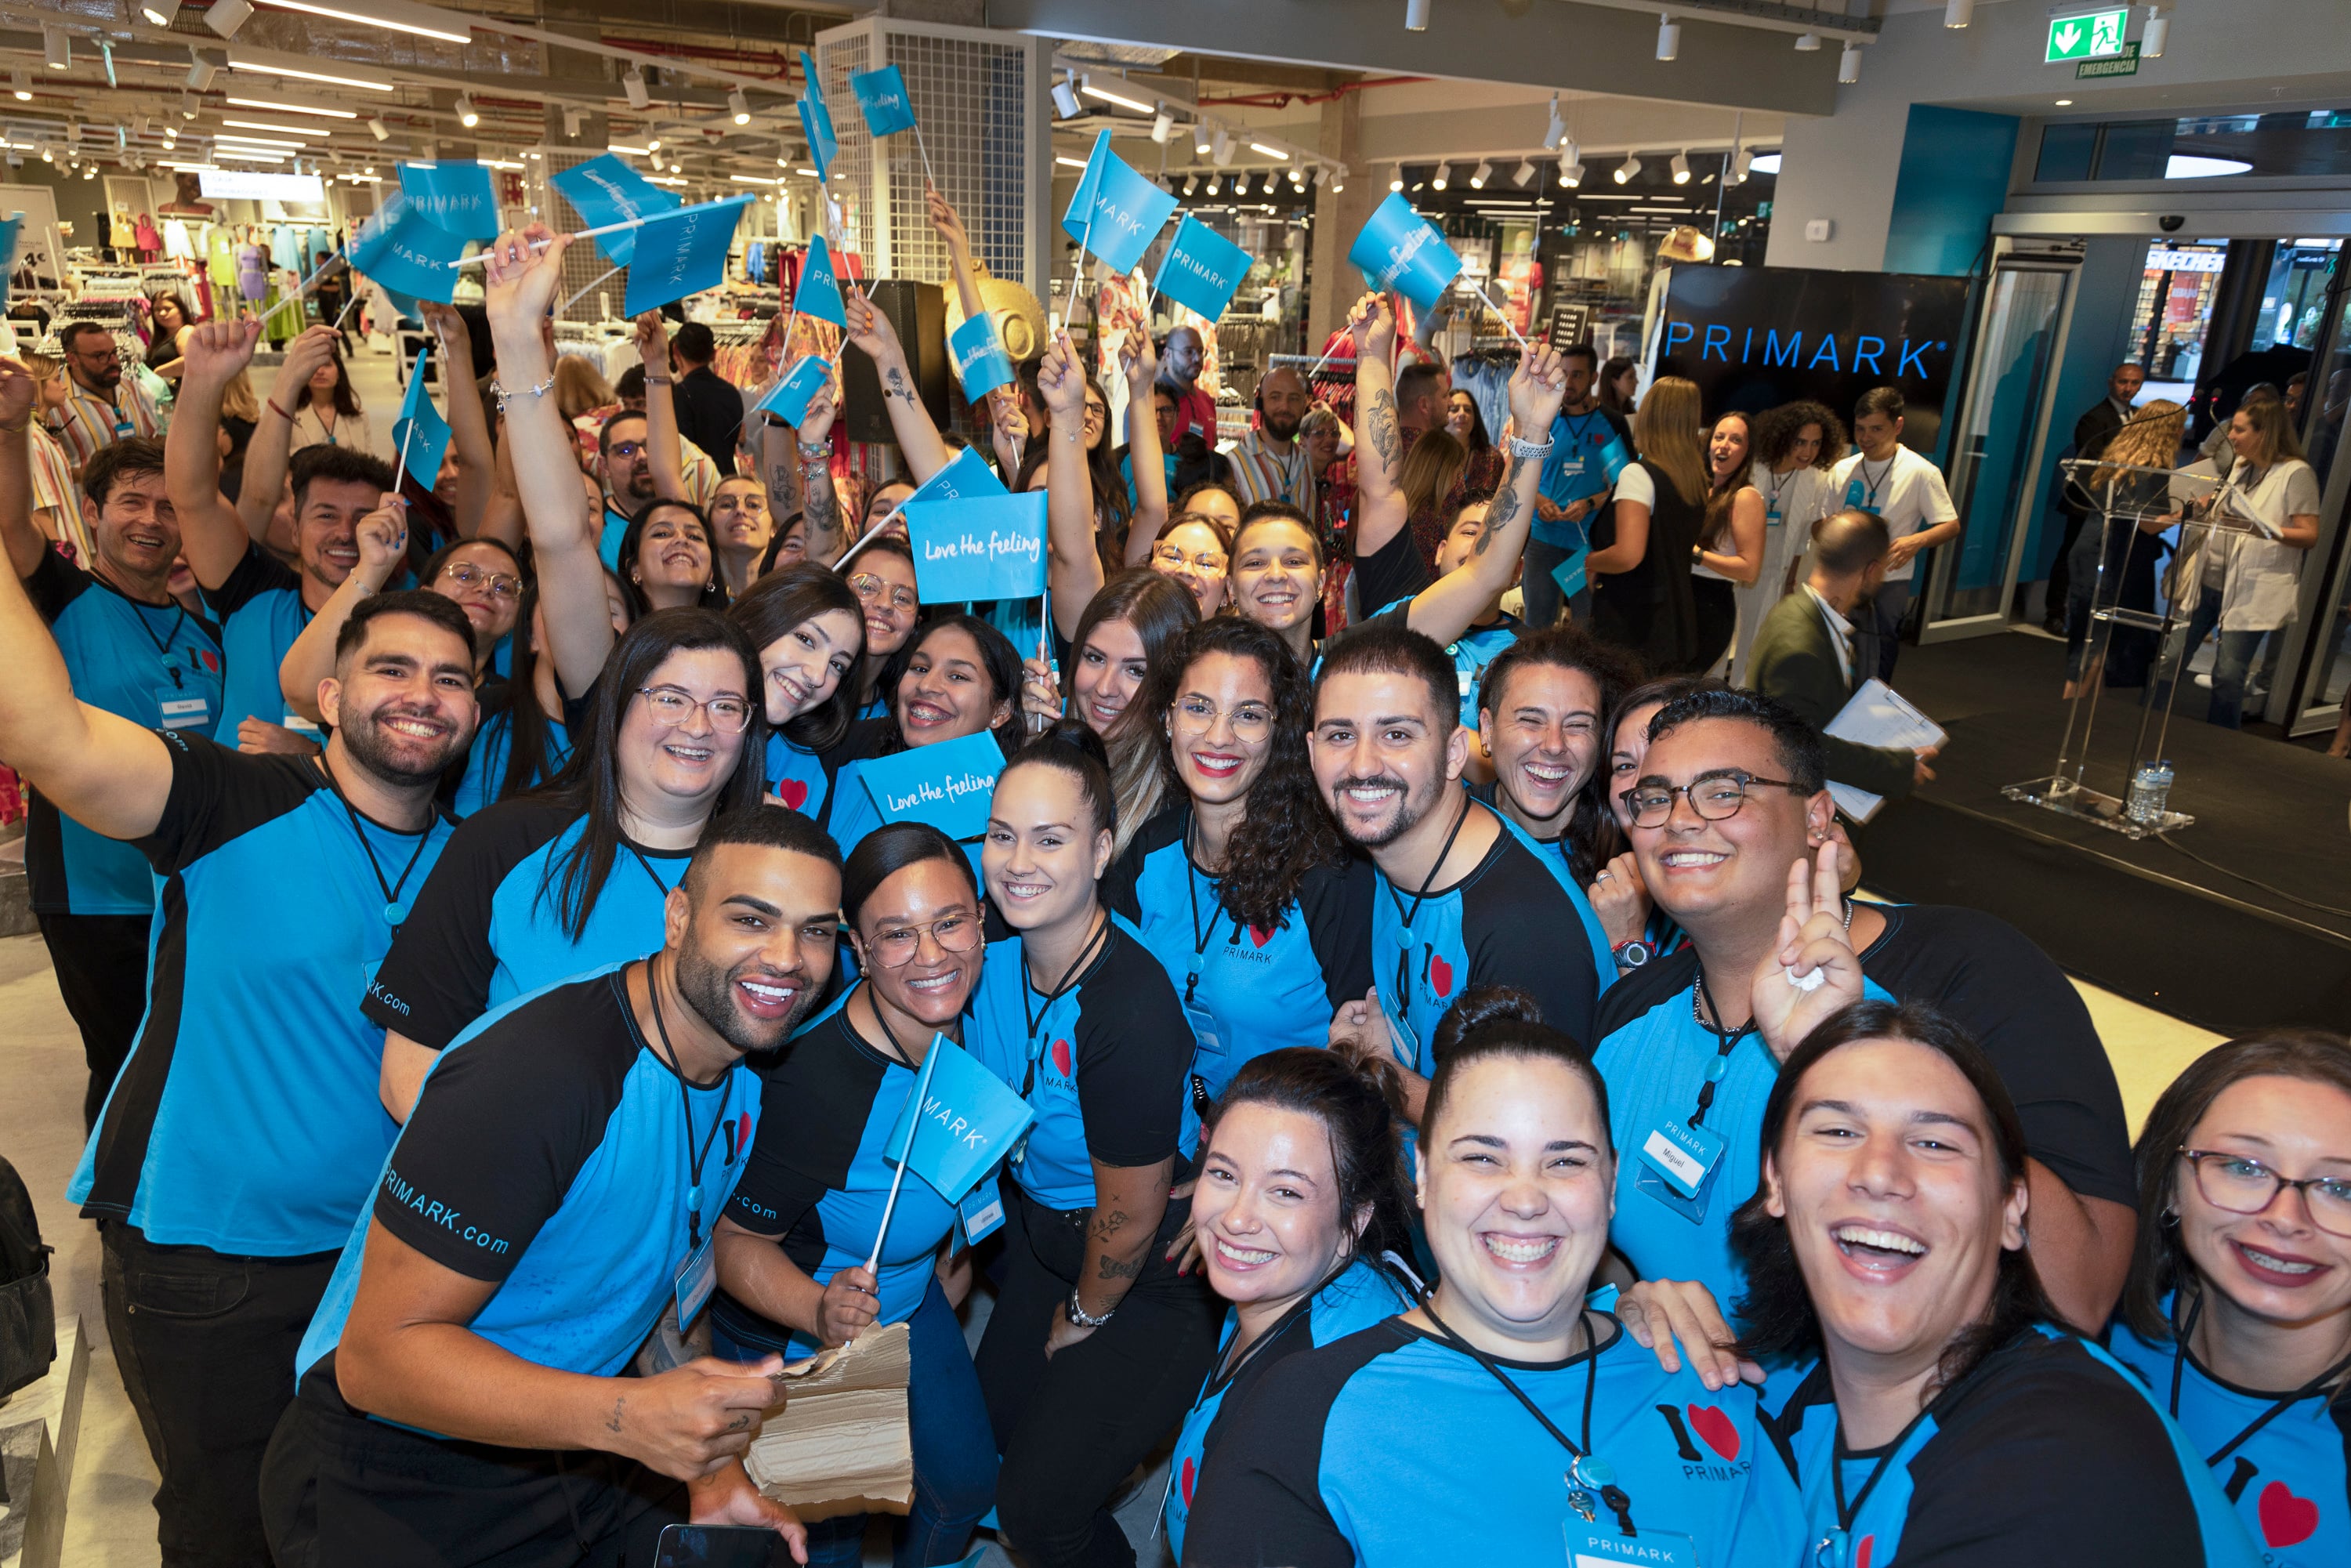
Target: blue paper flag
x=1116 y=213
x=788 y=400
x=960 y=1122
x=817 y=297
x=1569 y=574
x=1201 y=268
x=454 y=196
x=988 y=546
x=680 y=252
x=968 y=475
x=603 y=191
x=882 y=97
x=947 y=785
x=420 y=433
x=407 y=255
x=816 y=120
x=1400 y=249
x=980 y=362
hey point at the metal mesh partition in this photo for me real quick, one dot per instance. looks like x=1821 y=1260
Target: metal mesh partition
x=583 y=264
x=974 y=93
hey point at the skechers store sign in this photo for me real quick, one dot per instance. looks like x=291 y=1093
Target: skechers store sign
x=1754 y=337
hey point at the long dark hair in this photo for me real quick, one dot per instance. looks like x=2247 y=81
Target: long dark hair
x=346 y=397
x=771 y=607
x=1605 y=385
x=1285 y=830
x=1113 y=511
x=1355 y=1114
x=995 y=651
x=1590 y=836
x=1777 y=1307
x=1161 y=610
x=2159 y=1266
x=590 y=779
x=1723 y=493
x=714 y=591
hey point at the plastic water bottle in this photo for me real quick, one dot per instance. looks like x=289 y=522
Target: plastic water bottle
x=2150 y=789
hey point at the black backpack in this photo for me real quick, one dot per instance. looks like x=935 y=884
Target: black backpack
x=29 y=1318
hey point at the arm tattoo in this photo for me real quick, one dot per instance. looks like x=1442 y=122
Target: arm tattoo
x=1112 y=1268
x=897 y=387
x=613 y=1422
x=1109 y=1225
x=1505 y=508
x=1381 y=425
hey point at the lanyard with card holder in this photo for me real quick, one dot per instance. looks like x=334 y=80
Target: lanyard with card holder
x=698 y=1275
x=1037 y=1020
x=178 y=706
x=1679 y=1159
x=1865 y=499
x=394 y=909
x=1401 y=1040
x=1591 y=1480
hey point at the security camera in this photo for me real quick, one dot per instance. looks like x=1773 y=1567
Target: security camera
x=2170 y=223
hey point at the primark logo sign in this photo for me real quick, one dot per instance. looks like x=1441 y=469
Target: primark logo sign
x=1890 y=358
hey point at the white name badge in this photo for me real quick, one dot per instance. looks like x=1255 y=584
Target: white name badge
x=184 y=712
x=1592 y=1546
x=696 y=1277
x=981 y=1213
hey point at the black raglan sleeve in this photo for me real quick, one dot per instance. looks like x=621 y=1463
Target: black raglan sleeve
x=255 y=574
x=1260 y=1497
x=1519 y=928
x=53 y=583
x=216 y=795
x=813 y=1108
x=1336 y=902
x=1133 y=1049
x=504 y=1125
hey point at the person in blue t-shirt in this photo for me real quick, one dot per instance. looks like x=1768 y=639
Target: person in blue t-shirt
x=882 y=575
x=1242 y=888
x=242 y=1133
x=1946 y=1416
x=1727 y=819
x=1591 y=443
x=1540 y=706
x=543 y=1228
x=2237 y=1315
x=525 y=738
x=1501 y=1420
x=810 y=632
x=1097 y=1340
x=806 y=1216
x=1298 y=1217
x=133 y=650
x=957 y=676
x=1462 y=900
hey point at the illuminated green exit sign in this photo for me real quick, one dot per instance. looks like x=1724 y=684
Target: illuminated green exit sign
x=2092 y=36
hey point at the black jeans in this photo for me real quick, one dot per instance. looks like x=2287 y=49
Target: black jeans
x=101 y=965
x=206 y=1345
x=344 y=1491
x=1074 y=1428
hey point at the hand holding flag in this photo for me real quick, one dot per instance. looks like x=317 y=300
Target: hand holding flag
x=520 y=274
x=1400 y=249
x=422 y=433
x=960 y=1120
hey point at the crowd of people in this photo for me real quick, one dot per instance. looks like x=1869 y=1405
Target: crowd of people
x=1471 y=1113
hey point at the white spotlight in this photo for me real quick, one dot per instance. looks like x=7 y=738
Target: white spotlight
x=467 y=115
x=1415 y=15
x=1395 y=181
x=2158 y=30
x=17 y=84
x=1627 y=168
x=1959 y=12
x=1679 y=164
x=376 y=127
x=1479 y=175
x=1338 y=182
x=740 y=106
x=570 y=122
x=159 y=13
x=1191 y=183
x=1849 y=63
x=1203 y=138
x=199 y=70
x=57 y=47
x=1741 y=164
x=1437 y=181
x=1221 y=148
x=1571 y=172
x=1065 y=99
x=187 y=106
x=632 y=82
x=1163 y=126
x=227 y=15
x=1523 y=174
x=1213 y=184
x=1557 y=129
x=1807 y=42
x=1670 y=36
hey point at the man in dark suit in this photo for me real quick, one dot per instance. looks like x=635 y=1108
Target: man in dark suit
x=2091 y=433
x=709 y=407
x=1803 y=654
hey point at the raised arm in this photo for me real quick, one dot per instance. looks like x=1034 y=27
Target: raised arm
x=383 y=540
x=819 y=504
x=664 y=447
x=502 y=516
x=1073 y=564
x=265 y=457
x=469 y=425
x=103 y=772
x=211 y=533
x=519 y=287
x=1448 y=607
x=871 y=334
x=1380 y=511
x=951 y=233
x=1141 y=362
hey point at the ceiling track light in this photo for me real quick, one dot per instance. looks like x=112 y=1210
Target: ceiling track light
x=1163 y=126
x=1191 y=183
x=632 y=82
x=1627 y=168
x=2156 y=35
x=1338 y=182
x=1849 y=63
x=199 y=70
x=1679 y=164
x=1395 y=181
x=1670 y=36
x=1212 y=185
x=1415 y=15
x=1065 y=99
x=227 y=15
x=1437 y=181
x=159 y=13
x=1221 y=147
x=1959 y=12
x=571 y=121
x=187 y=106
x=1523 y=174
x=467 y=115
x=377 y=129
x=739 y=106
x=17 y=84
x=1479 y=176
x=1571 y=172
x=1806 y=43
x=57 y=47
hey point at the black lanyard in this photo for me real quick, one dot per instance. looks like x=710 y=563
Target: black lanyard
x=1725 y=1041
x=2279 y=1408
x=1862 y=468
x=1406 y=917
x=694 y=1159
x=1036 y=1020
x=1578 y=425
x=172 y=635
x=1847 y=1512
x=1586 y=1472
x=660 y=886
x=392 y=912
x=1200 y=933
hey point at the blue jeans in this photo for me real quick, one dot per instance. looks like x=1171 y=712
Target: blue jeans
x=2230 y=662
x=954 y=1445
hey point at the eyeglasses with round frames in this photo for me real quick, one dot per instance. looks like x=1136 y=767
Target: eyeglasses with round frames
x=1206 y=563
x=672 y=705
x=496 y=584
x=955 y=931
x=2243 y=1186
x=1251 y=722
x=870 y=588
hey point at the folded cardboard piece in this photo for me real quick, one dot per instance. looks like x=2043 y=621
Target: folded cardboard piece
x=838 y=1444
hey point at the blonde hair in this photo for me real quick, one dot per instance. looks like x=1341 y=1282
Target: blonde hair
x=43 y=366
x=238 y=399
x=1667 y=432
x=2274 y=426
x=1431 y=470
x=580 y=388
x=2149 y=438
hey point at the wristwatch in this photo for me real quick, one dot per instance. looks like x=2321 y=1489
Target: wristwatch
x=1632 y=954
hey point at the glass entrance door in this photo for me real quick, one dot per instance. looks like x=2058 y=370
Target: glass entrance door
x=1996 y=449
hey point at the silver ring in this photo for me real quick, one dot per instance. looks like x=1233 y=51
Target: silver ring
x=1606 y=874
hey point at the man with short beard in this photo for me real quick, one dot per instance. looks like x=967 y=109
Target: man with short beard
x=1463 y=899
x=549 y=1205
x=100 y=407
x=1269 y=464
x=243 y=1132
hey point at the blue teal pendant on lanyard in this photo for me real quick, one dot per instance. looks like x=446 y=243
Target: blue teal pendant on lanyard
x=1832 y=1550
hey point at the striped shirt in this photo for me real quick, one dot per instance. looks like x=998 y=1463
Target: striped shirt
x=54 y=490
x=1264 y=471
x=89 y=422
